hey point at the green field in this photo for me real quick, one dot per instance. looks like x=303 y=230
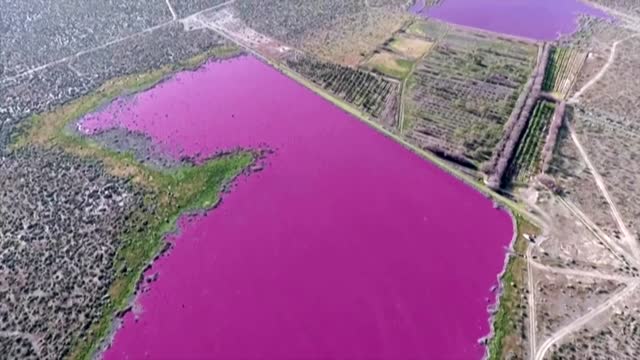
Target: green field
x=526 y=161
x=508 y=327
x=562 y=69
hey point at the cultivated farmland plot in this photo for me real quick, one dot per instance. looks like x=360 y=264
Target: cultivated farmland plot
x=372 y=94
x=462 y=93
x=398 y=54
x=562 y=69
x=527 y=158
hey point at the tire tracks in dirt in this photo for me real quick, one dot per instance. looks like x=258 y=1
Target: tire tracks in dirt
x=578 y=323
x=539 y=354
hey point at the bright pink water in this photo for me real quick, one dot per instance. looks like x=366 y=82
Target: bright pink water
x=346 y=246
x=535 y=19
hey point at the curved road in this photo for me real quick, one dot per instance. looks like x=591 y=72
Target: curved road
x=558 y=335
x=602 y=71
x=539 y=354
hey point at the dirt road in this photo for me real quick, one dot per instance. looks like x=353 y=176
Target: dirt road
x=577 y=272
x=602 y=71
x=628 y=236
x=576 y=324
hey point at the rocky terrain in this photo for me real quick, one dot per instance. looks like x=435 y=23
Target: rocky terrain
x=62 y=218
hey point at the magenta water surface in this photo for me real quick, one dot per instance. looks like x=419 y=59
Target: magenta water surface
x=535 y=19
x=346 y=246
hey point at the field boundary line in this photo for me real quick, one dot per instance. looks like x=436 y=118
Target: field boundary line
x=106 y=44
x=173 y=12
x=433 y=159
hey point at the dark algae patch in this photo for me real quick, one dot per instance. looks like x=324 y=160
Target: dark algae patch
x=168 y=193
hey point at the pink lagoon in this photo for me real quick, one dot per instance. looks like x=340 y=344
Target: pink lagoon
x=534 y=19
x=345 y=246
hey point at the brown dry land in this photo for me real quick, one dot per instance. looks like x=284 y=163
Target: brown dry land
x=389 y=64
x=585 y=267
x=349 y=39
x=461 y=93
x=411 y=47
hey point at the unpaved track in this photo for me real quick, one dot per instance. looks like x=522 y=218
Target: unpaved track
x=173 y=12
x=578 y=323
x=602 y=71
x=583 y=273
x=29 y=337
x=102 y=46
x=631 y=242
x=620 y=253
x=532 y=304
x=539 y=354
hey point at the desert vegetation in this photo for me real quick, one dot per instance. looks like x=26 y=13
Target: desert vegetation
x=460 y=95
x=572 y=244
x=613 y=334
x=187 y=7
x=127 y=237
x=38 y=32
x=167 y=45
x=575 y=181
x=617 y=91
x=563 y=298
x=612 y=143
x=626 y=6
x=400 y=4
x=290 y=21
x=349 y=39
x=59 y=239
x=89 y=221
x=595 y=38
x=615 y=338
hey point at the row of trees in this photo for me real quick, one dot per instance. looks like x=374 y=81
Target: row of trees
x=552 y=136
x=518 y=122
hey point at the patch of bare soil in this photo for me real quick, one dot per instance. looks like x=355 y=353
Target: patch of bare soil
x=349 y=39
x=571 y=244
x=614 y=334
x=561 y=298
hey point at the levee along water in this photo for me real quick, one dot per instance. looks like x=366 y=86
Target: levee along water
x=345 y=245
